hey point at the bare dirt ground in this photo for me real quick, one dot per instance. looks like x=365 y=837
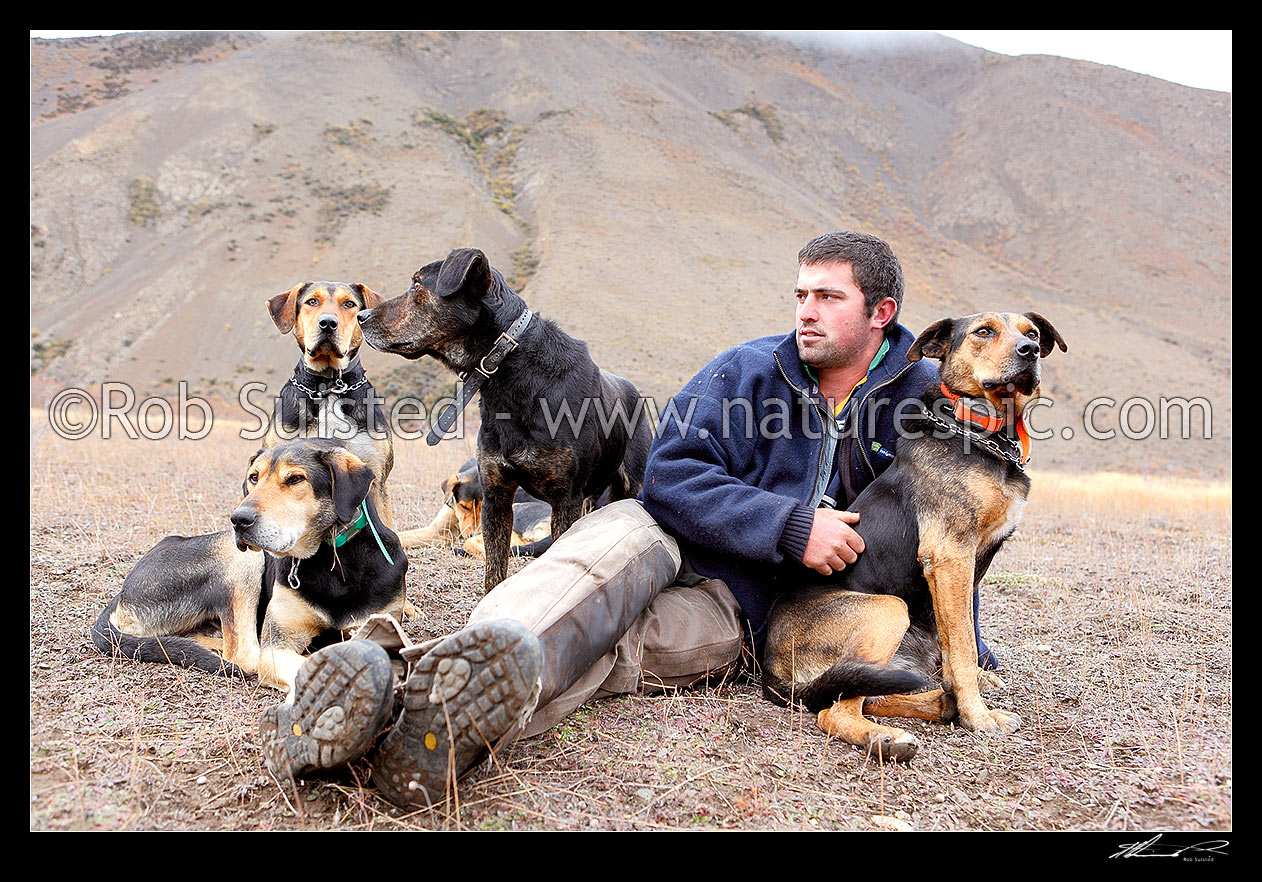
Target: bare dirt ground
x=1110 y=610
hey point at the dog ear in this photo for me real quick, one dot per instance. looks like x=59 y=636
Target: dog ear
x=464 y=268
x=368 y=298
x=350 y=479
x=1049 y=337
x=245 y=482
x=933 y=341
x=449 y=484
x=284 y=308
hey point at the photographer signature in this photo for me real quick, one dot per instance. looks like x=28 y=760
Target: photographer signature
x=1152 y=849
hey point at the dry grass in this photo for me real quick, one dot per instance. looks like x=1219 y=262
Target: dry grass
x=1110 y=609
x=1116 y=495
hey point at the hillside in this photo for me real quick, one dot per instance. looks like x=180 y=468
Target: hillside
x=647 y=190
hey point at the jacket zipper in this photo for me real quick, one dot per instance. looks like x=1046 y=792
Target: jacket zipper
x=858 y=429
x=826 y=433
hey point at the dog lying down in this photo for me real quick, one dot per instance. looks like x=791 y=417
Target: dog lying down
x=308 y=557
x=458 y=522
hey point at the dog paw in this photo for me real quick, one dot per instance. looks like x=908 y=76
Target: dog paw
x=892 y=747
x=1007 y=722
x=991 y=722
x=988 y=680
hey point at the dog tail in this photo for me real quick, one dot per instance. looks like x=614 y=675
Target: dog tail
x=846 y=679
x=531 y=549
x=164 y=650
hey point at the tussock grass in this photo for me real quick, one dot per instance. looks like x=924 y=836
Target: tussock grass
x=1114 y=494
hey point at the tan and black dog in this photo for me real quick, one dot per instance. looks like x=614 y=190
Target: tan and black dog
x=329 y=395
x=307 y=558
x=528 y=372
x=931 y=524
x=532 y=518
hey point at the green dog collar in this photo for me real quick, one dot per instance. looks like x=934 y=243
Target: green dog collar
x=337 y=540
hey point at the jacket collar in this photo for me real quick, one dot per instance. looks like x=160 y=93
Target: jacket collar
x=895 y=360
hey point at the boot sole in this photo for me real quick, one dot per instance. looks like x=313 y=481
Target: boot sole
x=471 y=691
x=342 y=698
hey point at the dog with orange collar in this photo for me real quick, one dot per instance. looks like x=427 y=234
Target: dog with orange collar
x=871 y=639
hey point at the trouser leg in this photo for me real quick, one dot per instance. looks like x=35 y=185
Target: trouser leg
x=602 y=603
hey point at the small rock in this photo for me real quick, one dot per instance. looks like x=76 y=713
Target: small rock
x=886 y=822
x=201 y=779
x=644 y=793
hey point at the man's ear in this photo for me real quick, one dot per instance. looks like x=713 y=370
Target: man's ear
x=284 y=308
x=1049 y=337
x=350 y=479
x=884 y=311
x=465 y=269
x=934 y=341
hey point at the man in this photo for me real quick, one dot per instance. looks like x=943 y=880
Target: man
x=744 y=498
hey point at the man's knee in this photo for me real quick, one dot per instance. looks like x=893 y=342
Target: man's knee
x=690 y=633
x=617 y=522
x=617 y=551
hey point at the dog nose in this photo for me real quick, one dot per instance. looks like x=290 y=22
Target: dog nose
x=243 y=518
x=364 y=315
x=328 y=323
x=1027 y=349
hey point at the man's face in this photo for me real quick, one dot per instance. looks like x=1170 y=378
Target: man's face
x=834 y=328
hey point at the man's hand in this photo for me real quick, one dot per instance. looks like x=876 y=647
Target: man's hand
x=832 y=543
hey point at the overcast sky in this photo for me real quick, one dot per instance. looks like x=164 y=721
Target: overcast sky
x=1193 y=58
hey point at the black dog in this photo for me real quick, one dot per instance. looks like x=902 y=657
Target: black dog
x=461 y=312
x=932 y=523
x=328 y=563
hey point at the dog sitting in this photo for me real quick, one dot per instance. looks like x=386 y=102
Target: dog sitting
x=329 y=395
x=931 y=523
x=307 y=558
x=527 y=370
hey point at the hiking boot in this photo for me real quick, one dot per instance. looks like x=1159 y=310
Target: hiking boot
x=469 y=694
x=341 y=700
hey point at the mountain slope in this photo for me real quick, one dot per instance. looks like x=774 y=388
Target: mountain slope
x=647 y=190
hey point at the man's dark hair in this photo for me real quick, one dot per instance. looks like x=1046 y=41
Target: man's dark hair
x=876 y=270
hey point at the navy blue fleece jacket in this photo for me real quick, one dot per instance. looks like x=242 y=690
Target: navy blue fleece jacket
x=740 y=461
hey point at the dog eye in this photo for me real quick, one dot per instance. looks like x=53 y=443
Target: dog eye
x=983 y=332
x=349 y=303
x=254 y=477
x=1032 y=334
x=311 y=301
x=294 y=479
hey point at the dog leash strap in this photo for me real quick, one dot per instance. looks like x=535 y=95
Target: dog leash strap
x=447 y=416
x=375 y=534
x=473 y=380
